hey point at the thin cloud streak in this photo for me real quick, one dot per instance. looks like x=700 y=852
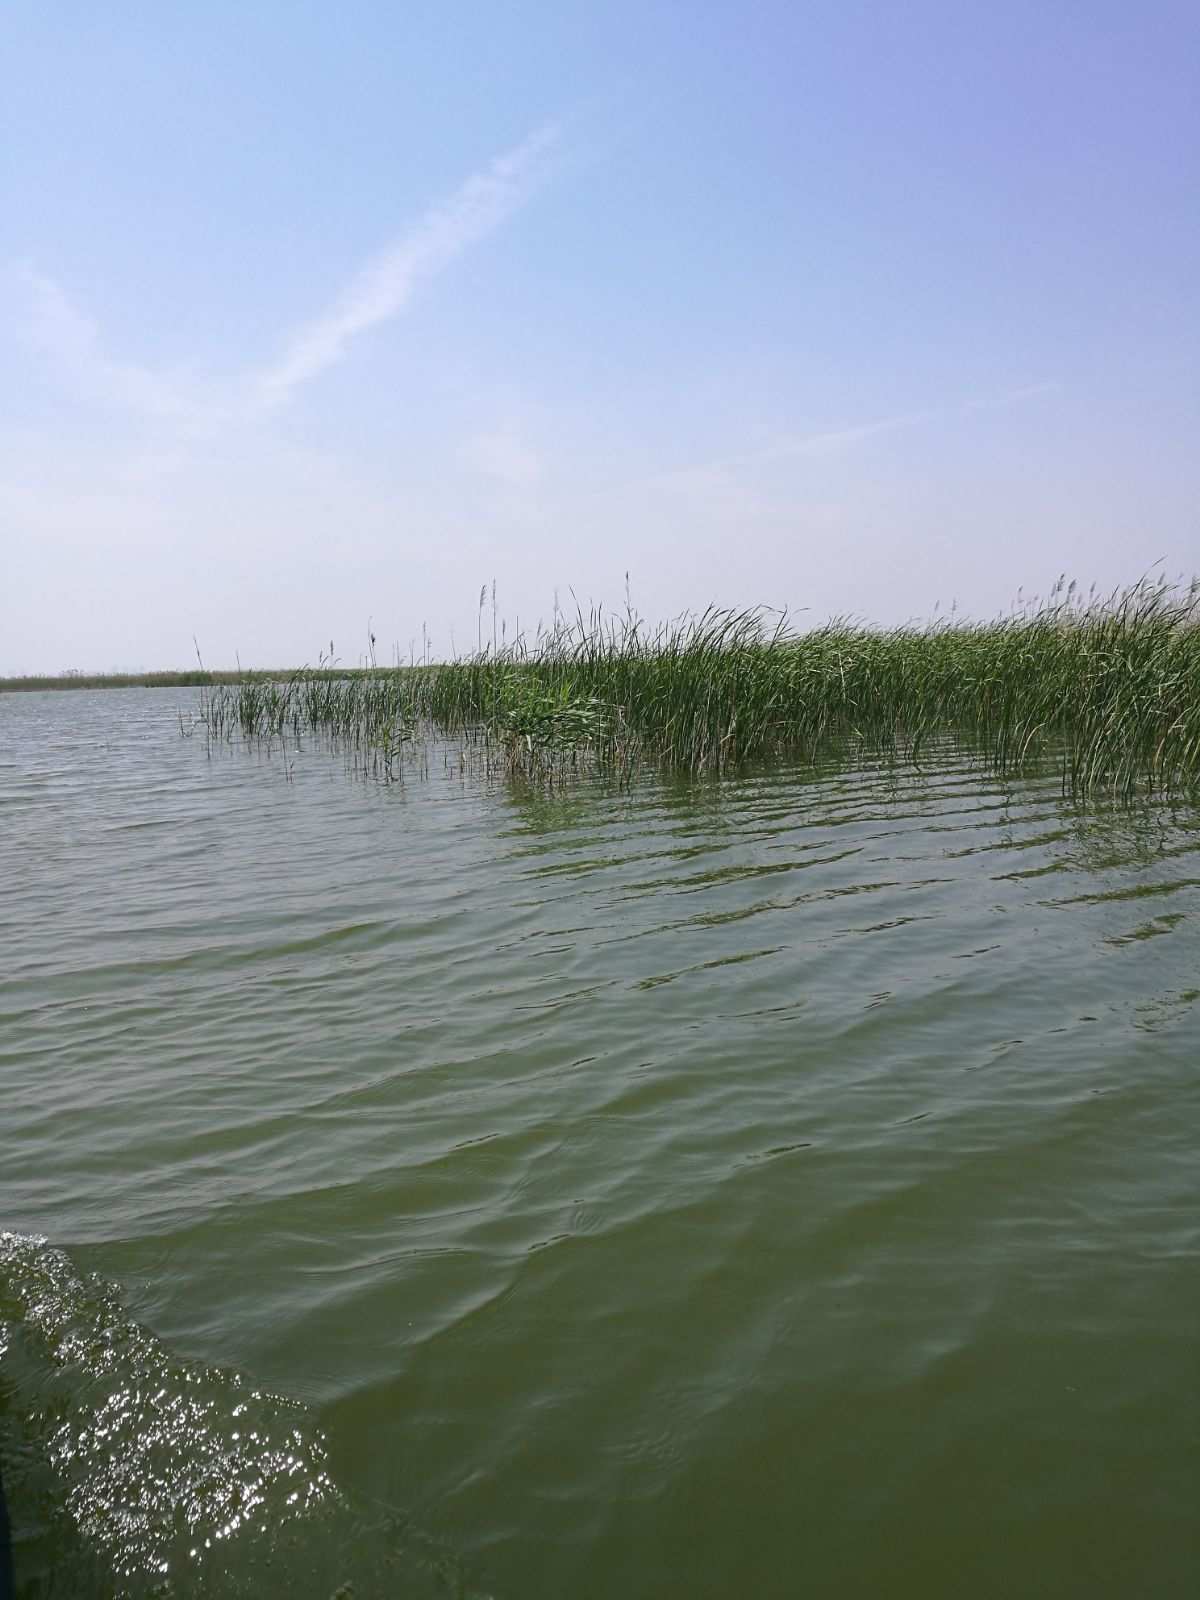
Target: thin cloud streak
x=828 y=441
x=384 y=287
x=380 y=291
x=1013 y=397
x=825 y=441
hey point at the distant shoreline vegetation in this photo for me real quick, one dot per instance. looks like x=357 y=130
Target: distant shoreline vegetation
x=1109 y=687
x=194 y=679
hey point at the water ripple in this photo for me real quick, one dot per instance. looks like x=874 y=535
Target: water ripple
x=665 y=1190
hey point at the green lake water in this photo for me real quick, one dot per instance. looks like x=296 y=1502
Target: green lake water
x=785 y=1186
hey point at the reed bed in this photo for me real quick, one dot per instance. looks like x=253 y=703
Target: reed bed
x=1108 y=687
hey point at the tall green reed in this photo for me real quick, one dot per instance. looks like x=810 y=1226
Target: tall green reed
x=1110 y=686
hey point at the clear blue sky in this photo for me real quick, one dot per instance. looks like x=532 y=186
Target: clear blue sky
x=314 y=313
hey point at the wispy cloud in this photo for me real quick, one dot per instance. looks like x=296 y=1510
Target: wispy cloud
x=385 y=285
x=828 y=441
x=1013 y=397
x=380 y=291
x=705 y=475
x=71 y=340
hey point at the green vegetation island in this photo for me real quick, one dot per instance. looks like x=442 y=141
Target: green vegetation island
x=1108 y=687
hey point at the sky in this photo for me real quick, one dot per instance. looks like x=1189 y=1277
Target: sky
x=316 y=319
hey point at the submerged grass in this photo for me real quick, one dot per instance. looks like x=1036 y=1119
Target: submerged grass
x=1109 y=686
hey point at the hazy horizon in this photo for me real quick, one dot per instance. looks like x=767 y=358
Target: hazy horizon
x=316 y=323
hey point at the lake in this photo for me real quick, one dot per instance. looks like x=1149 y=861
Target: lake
x=774 y=1186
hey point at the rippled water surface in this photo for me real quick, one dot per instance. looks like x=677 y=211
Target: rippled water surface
x=782 y=1186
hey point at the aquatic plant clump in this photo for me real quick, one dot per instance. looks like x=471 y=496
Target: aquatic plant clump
x=1110 y=687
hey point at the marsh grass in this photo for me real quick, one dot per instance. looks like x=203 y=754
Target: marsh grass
x=35 y=682
x=1107 y=686
x=189 y=678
